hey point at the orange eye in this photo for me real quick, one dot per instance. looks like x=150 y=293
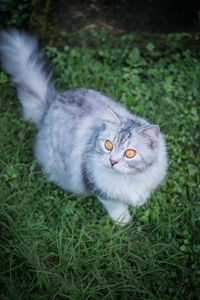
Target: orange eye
x=108 y=145
x=130 y=153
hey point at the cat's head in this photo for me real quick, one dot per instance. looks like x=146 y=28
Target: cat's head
x=127 y=146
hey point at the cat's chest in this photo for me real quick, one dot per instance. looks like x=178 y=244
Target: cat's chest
x=119 y=187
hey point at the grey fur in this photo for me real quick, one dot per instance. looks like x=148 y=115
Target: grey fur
x=30 y=72
x=73 y=127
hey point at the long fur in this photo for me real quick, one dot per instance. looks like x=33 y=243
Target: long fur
x=73 y=128
x=29 y=72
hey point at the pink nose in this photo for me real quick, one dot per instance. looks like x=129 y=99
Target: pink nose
x=113 y=162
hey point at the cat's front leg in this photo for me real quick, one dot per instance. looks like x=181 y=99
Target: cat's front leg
x=118 y=211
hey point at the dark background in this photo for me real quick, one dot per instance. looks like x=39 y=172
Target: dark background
x=117 y=16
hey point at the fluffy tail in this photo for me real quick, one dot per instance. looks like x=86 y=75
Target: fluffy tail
x=29 y=72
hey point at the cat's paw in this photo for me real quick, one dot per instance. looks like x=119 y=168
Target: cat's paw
x=123 y=219
x=118 y=211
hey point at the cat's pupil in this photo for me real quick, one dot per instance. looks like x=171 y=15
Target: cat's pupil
x=130 y=153
x=108 y=145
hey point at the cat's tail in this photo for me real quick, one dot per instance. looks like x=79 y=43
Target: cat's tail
x=30 y=73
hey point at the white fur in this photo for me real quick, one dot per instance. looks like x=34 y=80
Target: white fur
x=22 y=60
x=133 y=190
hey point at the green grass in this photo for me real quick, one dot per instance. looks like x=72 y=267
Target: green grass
x=54 y=245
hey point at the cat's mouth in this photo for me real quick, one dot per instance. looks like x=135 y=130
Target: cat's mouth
x=116 y=168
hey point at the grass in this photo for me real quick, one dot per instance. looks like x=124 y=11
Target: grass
x=54 y=245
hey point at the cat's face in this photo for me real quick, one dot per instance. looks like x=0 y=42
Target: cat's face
x=127 y=147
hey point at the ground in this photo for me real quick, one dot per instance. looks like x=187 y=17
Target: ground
x=139 y=16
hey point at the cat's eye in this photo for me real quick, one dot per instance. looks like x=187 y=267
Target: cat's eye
x=130 y=153
x=108 y=145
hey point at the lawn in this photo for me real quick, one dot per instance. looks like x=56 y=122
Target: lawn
x=54 y=245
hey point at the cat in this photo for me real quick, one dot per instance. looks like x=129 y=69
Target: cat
x=87 y=143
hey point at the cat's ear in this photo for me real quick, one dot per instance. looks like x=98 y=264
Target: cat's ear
x=112 y=118
x=150 y=133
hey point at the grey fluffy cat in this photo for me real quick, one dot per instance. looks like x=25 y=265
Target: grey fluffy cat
x=87 y=143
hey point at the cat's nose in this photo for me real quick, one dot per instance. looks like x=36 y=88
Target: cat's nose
x=113 y=162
